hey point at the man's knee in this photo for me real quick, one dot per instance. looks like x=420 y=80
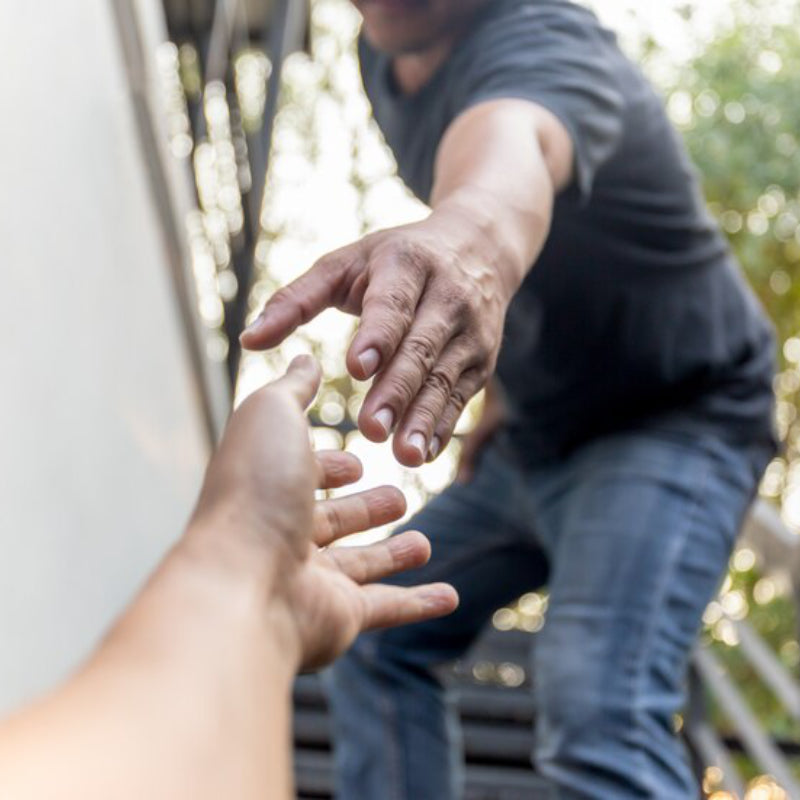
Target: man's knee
x=569 y=712
x=585 y=697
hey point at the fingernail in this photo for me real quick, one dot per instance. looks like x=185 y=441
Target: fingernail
x=254 y=325
x=436 y=600
x=385 y=418
x=417 y=441
x=433 y=450
x=402 y=547
x=369 y=361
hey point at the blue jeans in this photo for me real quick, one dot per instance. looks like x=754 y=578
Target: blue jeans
x=632 y=534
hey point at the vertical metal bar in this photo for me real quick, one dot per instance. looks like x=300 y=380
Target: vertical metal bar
x=133 y=57
x=219 y=42
x=769 y=667
x=755 y=740
x=287 y=19
x=706 y=747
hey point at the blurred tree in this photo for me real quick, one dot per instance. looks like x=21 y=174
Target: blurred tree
x=737 y=107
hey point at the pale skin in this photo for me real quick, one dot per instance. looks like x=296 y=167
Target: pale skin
x=188 y=697
x=432 y=296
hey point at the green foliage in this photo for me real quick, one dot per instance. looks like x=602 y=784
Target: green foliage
x=737 y=107
x=744 y=134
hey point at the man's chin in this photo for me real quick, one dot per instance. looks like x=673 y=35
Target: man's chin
x=395 y=41
x=394 y=48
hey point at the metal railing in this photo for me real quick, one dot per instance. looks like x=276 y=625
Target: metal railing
x=777 y=548
x=218 y=30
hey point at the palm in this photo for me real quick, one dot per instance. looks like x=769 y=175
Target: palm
x=332 y=612
x=262 y=480
x=334 y=596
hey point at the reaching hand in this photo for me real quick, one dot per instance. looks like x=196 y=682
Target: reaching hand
x=432 y=305
x=260 y=488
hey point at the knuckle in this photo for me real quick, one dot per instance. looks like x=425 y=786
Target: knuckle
x=458 y=399
x=291 y=295
x=401 y=391
x=416 y=257
x=458 y=302
x=426 y=420
x=422 y=349
x=442 y=383
x=393 y=309
x=483 y=354
x=333 y=521
x=478 y=350
x=398 y=301
x=286 y=294
x=386 y=334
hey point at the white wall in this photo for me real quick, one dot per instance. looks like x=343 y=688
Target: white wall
x=101 y=437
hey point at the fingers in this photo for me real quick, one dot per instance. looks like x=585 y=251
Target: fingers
x=397 y=386
x=469 y=385
x=301 y=380
x=430 y=422
x=387 y=312
x=296 y=304
x=342 y=516
x=388 y=606
x=381 y=560
x=337 y=468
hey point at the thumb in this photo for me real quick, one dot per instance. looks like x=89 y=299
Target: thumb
x=301 y=380
x=294 y=305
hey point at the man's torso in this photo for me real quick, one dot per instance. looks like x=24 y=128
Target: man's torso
x=635 y=308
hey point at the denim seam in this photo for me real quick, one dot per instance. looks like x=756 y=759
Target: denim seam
x=394 y=755
x=649 y=633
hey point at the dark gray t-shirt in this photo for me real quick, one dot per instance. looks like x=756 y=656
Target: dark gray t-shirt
x=635 y=310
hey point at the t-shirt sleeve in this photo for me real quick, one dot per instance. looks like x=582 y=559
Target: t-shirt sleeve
x=559 y=57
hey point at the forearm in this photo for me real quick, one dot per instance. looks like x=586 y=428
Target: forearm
x=188 y=697
x=507 y=232
x=498 y=168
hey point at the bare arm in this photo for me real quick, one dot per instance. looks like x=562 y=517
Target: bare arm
x=189 y=695
x=432 y=296
x=501 y=163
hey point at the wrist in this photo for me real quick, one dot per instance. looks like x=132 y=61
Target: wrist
x=480 y=221
x=244 y=579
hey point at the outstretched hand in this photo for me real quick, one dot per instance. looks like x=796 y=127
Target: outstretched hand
x=260 y=488
x=432 y=305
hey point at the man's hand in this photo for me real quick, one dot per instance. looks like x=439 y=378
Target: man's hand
x=432 y=305
x=432 y=296
x=257 y=509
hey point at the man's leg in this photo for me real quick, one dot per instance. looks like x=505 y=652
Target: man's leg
x=639 y=528
x=394 y=736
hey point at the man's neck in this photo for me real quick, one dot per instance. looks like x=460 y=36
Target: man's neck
x=413 y=70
